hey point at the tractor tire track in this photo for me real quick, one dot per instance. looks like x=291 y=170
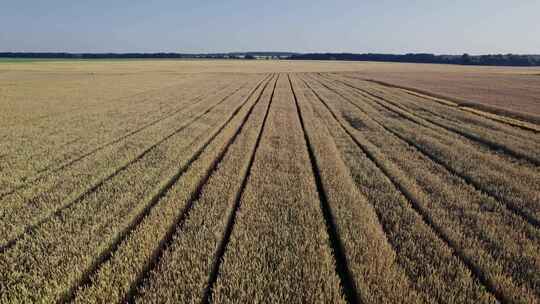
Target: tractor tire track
x=338 y=250
x=222 y=246
x=416 y=206
x=455 y=104
x=469 y=181
x=93 y=188
x=49 y=170
x=493 y=146
x=113 y=247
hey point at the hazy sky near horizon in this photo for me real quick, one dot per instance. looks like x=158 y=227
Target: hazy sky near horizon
x=443 y=27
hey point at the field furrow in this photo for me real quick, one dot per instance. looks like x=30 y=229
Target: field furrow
x=348 y=284
x=119 y=277
x=447 y=114
x=494 y=174
x=465 y=216
x=184 y=274
x=108 y=139
x=499 y=114
x=517 y=148
x=26 y=209
x=79 y=117
x=368 y=256
x=90 y=228
x=287 y=258
x=426 y=257
x=63 y=102
x=95 y=133
x=268 y=181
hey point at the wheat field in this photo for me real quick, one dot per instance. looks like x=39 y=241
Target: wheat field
x=159 y=181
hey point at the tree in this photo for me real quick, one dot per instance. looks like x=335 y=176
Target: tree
x=465 y=59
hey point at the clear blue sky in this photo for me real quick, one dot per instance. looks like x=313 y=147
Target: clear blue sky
x=449 y=27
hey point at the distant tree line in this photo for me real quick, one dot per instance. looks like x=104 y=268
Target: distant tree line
x=115 y=55
x=247 y=55
x=465 y=59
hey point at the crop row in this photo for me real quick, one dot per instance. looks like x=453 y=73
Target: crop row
x=492 y=114
x=188 y=265
x=287 y=188
x=40 y=99
x=516 y=184
x=37 y=153
x=367 y=255
x=120 y=277
x=498 y=137
x=80 y=237
x=57 y=191
x=457 y=211
x=425 y=107
x=421 y=254
x=279 y=247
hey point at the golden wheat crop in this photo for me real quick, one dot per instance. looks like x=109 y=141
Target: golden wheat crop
x=256 y=182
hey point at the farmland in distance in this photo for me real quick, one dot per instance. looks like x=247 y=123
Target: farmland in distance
x=266 y=182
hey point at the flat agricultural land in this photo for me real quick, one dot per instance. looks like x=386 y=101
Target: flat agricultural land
x=516 y=90
x=161 y=181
